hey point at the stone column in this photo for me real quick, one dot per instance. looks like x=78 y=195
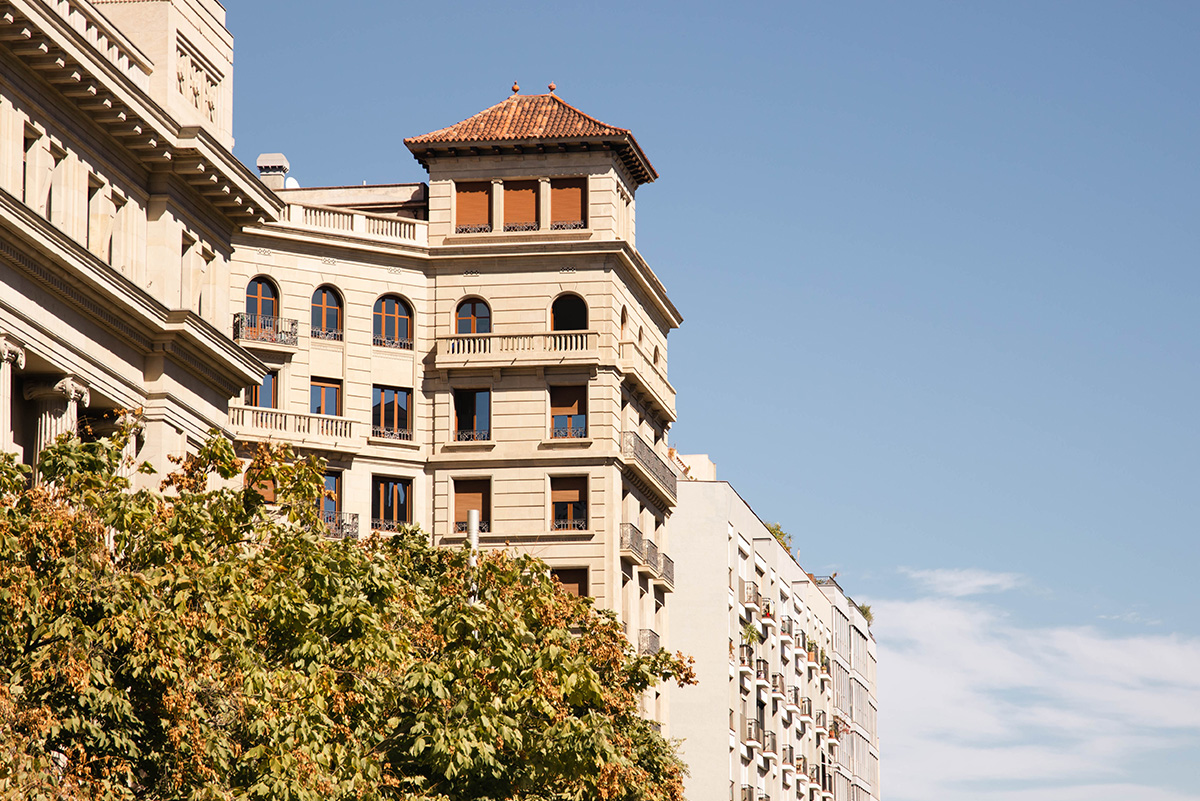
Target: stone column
x=57 y=408
x=10 y=354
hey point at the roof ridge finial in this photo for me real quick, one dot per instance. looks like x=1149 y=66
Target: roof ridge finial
x=552 y=87
x=516 y=88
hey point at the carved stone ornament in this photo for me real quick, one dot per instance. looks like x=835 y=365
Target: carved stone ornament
x=69 y=388
x=12 y=352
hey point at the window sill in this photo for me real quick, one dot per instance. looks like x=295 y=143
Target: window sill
x=541 y=235
x=406 y=444
x=469 y=445
x=566 y=442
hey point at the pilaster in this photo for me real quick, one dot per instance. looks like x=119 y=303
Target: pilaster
x=10 y=353
x=57 y=408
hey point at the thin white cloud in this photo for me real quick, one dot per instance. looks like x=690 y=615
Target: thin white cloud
x=963 y=582
x=974 y=706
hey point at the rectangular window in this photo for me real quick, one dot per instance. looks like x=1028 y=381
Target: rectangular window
x=472 y=493
x=58 y=156
x=573 y=579
x=265 y=488
x=265 y=395
x=472 y=414
x=331 y=501
x=390 y=413
x=568 y=412
x=391 y=508
x=568 y=499
x=568 y=197
x=473 y=207
x=325 y=396
x=520 y=205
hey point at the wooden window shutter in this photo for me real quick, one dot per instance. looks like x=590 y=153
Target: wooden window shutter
x=473 y=203
x=573 y=579
x=566 y=200
x=568 y=400
x=568 y=490
x=472 y=494
x=520 y=205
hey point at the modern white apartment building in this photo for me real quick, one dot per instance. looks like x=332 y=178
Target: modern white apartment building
x=768 y=719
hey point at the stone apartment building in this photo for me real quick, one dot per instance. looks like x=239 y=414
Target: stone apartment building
x=785 y=705
x=119 y=199
x=491 y=340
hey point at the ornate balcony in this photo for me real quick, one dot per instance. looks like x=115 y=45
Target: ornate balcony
x=385 y=432
x=473 y=435
x=655 y=472
x=397 y=343
x=461 y=527
x=569 y=525
x=256 y=424
x=648 y=643
x=265 y=329
x=633 y=543
x=388 y=526
x=652 y=557
x=358 y=224
x=533 y=349
x=666 y=570
x=340 y=525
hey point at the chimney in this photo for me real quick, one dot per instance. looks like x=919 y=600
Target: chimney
x=273 y=169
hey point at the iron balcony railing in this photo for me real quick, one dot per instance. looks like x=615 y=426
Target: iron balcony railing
x=786 y=626
x=666 y=566
x=388 y=526
x=806 y=707
x=329 y=334
x=473 y=435
x=746 y=655
x=770 y=742
x=762 y=670
x=648 y=642
x=633 y=541
x=400 y=343
x=461 y=527
x=634 y=446
x=753 y=731
x=386 y=432
x=265 y=328
x=788 y=757
x=652 y=555
x=340 y=524
x=569 y=433
x=570 y=525
x=777 y=684
x=567 y=225
x=484 y=228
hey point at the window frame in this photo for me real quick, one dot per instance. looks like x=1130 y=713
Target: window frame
x=573 y=515
x=379 y=414
x=253 y=395
x=473 y=318
x=569 y=429
x=380 y=317
x=325 y=384
x=485 y=514
x=322 y=330
x=381 y=484
x=474 y=434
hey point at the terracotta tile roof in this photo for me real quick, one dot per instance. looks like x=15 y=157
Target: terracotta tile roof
x=537 y=119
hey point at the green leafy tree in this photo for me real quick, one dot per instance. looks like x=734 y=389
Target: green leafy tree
x=198 y=644
x=780 y=535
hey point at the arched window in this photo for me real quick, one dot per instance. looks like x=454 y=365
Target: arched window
x=474 y=317
x=326 y=314
x=393 y=323
x=261 y=297
x=569 y=313
x=624 y=321
x=656 y=355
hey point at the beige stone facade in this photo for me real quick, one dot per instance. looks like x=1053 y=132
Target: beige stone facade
x=119 y=199
x=570 y=312
x=785 y=705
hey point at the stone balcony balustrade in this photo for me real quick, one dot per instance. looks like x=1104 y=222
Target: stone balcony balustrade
x=347 y=222
x=508 y=349
x=257 y=424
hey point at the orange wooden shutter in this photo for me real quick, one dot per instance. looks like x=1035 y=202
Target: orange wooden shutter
x=471 y=494
x=566 y=199
x=520 y=202
x=568 y=400
x=473 y=203
x=573 y=579
x=568 y=490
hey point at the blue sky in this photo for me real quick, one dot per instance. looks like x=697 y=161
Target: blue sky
x=938 y=268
